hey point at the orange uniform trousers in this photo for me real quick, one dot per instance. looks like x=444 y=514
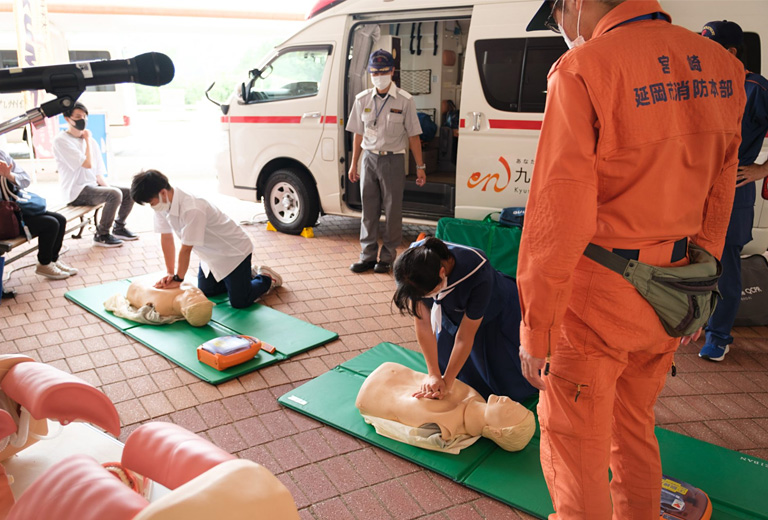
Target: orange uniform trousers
x=606 y=371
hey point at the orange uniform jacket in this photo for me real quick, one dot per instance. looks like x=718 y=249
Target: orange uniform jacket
x=638 y=148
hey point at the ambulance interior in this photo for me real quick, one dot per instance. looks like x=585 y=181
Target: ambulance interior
x=429 y=62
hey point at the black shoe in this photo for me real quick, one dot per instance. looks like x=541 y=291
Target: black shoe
x=122 y=233
x=382 y=267
x=361 y=267
x=10 y=293
x=107 y=241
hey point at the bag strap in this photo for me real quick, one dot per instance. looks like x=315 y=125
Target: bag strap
x=489 y=217
x=602 y=256
x=8 y=194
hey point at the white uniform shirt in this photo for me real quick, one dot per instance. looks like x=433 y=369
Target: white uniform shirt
x=220 y=243
x=69 y=152
x=385 y=123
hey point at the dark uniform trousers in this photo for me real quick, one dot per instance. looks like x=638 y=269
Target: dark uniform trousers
x=382 y=183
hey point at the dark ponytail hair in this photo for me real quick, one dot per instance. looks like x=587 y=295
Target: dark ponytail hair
x=417 y=272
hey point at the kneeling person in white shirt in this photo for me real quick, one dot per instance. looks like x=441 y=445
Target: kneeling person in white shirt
x=223 y=246
x=81 y=175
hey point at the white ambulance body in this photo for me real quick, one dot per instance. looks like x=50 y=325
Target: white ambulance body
x=285 y=137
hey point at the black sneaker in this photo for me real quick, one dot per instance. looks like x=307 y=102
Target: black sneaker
x=107 y=241
x=122 y=233
x=361 y=267
x=382 y=267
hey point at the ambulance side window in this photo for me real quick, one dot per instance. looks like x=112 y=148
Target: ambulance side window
x=539 y=57
x=293 y=74
x=499 y=63
x=513 y=71
x=752 y=52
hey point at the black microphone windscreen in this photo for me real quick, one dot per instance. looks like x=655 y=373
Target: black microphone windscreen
x=154 y=69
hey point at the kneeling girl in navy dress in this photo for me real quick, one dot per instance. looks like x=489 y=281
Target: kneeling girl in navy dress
x=467 y=319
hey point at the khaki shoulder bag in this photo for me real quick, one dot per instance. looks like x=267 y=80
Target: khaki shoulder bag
x=683 y=297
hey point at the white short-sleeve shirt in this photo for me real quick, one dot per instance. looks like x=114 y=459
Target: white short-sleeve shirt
x=69 y=152
x=217 y=240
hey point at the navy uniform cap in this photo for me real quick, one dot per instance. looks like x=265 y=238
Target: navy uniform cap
x=728 y=34
x=537 y=23
x=380 y=61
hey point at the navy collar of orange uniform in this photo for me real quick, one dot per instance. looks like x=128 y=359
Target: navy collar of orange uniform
x=658 y=15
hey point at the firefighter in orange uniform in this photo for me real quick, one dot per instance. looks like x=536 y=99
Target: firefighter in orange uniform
x=638 y=154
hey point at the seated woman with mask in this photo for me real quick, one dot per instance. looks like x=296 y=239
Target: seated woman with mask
x=467 y=319
x=449 y=424
x=144 y=303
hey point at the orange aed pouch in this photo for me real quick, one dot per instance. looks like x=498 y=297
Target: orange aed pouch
x=682 y=501
x=228 y=351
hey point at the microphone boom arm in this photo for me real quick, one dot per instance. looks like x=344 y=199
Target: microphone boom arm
x=36 y=115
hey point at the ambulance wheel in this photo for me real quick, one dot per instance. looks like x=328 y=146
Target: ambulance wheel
x=290 y=200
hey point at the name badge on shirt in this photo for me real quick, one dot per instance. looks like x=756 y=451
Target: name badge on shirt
x=371 y=132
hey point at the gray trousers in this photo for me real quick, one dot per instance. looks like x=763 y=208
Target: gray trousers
x=114 y=197
x=382 y=183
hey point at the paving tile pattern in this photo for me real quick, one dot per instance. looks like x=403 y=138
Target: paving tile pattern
x=330 y=474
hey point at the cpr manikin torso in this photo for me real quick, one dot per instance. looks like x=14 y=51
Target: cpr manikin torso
x=386 y=398
x=148 y=304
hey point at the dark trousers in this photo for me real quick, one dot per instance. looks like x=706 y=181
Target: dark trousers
x=242 y=288
x=719 y=327
x=117 y=201
x=49 y=228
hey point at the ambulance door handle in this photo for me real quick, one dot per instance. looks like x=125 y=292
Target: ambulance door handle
x=311 y=115
x=476 y=124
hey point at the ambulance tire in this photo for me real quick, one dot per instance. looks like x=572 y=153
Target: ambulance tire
x=291 y=201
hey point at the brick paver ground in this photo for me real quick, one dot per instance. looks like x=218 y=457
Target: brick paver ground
x=330 y=474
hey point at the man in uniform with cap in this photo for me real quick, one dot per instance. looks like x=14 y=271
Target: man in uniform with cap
x=635 y=157
x=754 y=126
x=385 y=123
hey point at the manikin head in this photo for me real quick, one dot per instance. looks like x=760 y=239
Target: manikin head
x=508 y=423
x=381 y=65
x=195 y=307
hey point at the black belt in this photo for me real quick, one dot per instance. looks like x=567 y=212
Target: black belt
x=679 y=251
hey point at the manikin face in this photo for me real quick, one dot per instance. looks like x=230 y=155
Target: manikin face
x=195 y=307
x=503 y=412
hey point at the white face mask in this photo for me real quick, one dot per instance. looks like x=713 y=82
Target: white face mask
x=381 y=82
x=163 y=206
x=579 y=39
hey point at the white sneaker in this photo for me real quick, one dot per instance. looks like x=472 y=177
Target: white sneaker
x=65 y=268
x=51 y=271
x=277 y=280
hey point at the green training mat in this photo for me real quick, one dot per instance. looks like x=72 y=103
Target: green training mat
x=92 y=299
x=736 y=483
x=178 y=341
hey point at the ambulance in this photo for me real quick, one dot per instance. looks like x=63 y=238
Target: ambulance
x=473 y=71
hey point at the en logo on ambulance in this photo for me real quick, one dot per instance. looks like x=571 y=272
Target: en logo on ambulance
x=286 y=142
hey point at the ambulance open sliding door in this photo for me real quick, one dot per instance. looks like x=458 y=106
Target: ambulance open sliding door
x=501 y=109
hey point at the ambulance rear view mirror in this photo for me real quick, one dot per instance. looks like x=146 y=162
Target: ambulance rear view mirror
x=224 y=108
